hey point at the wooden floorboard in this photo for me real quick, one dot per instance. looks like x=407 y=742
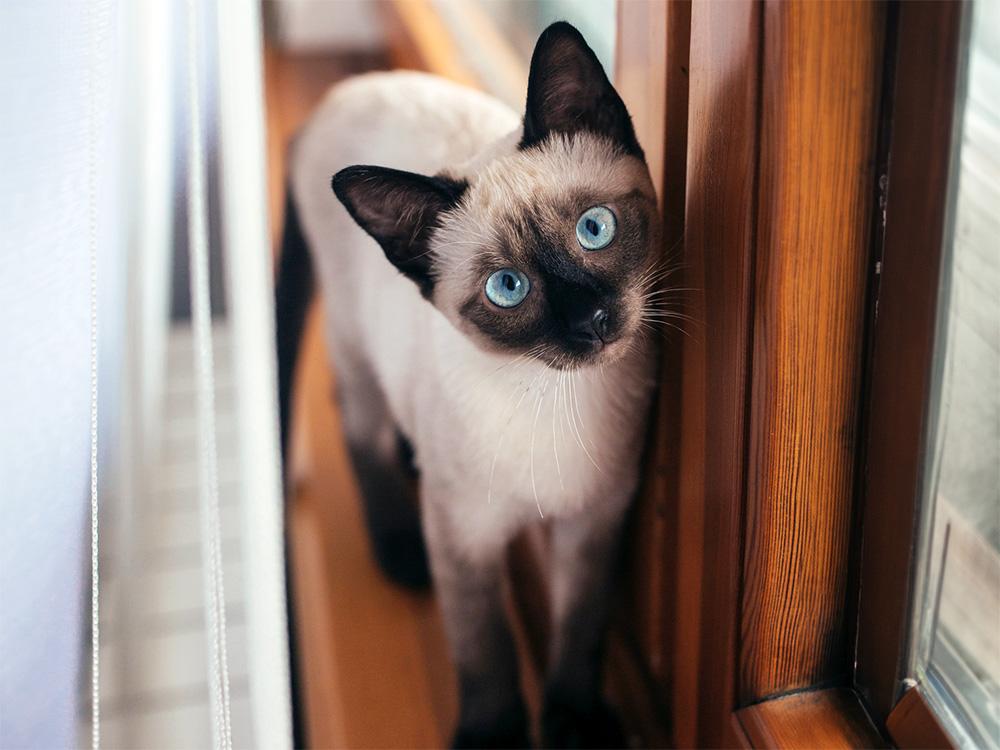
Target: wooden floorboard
x=373 y=660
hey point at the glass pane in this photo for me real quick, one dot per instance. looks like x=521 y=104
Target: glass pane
x=957 y=646
x=496 y=37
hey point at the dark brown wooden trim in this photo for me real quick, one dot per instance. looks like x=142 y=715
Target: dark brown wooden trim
x=830 y=718
x=919 y=161
x=821 y=74
x=634 y=692
x=912 y=724
x=651 y=72
x=651 y=75
x=713 y=363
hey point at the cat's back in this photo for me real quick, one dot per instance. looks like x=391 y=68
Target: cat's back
x=405 y=120
x=402 y=119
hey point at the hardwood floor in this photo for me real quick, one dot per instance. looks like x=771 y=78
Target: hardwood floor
x=373 y=663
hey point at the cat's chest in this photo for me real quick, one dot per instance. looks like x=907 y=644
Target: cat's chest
x=530 y=437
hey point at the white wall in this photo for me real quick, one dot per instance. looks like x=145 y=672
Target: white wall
x=325 y=25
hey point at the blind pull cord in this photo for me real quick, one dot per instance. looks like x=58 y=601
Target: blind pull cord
x=201 y=317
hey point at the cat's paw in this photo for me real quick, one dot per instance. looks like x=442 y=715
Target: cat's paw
x=565 y=725
x=509 y=730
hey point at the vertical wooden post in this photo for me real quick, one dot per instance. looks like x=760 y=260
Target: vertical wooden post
x=719 y=234
x=820 y=83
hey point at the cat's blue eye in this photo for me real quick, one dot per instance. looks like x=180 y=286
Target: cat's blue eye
x=507 y=287
x=596 y=228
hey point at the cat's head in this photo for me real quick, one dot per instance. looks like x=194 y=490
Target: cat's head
x=548 y=248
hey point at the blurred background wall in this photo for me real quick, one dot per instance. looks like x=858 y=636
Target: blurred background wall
x=58 y=187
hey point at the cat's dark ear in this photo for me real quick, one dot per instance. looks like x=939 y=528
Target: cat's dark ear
x=400 y=210
x=568 y=91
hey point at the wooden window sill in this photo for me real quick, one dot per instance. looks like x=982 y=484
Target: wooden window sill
x=913 y=725
x=830 y=718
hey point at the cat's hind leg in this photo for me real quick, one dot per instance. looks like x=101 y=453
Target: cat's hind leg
x=469 y=589
x=584 y=556
x=384 y=477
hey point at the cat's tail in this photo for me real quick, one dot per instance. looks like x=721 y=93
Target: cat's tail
x=292 y=295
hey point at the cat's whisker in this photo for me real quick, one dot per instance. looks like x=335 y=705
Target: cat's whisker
x=555 y=447
x=570 y=418
x=665 y=315
x=576 y=412
x=659 y=321
x=671 y=314
x=503 y=432
x=531 y=449
x=659 y=300
x=664 y=292
x=658 y=274
x=567 y=421
x=658 y=282
x=521 y=358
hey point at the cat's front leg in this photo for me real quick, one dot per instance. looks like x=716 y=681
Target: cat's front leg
x=584 y=556
x=468 y=581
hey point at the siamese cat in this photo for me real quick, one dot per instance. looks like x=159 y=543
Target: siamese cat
x=488 y=293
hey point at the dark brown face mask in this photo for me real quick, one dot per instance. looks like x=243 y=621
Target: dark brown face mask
x=562 y=283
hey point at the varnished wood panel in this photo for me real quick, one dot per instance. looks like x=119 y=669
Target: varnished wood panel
x=923 y=101
x=646 y=29
x=814 y=720
x=912 y=725
x=820 y=84
x=713 y=366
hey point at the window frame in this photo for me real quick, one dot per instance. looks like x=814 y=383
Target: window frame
x=756 y=85
x=927 y=65
x=860 y=688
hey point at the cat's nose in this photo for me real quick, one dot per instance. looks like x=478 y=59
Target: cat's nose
x=591 y=329
x=599 y=322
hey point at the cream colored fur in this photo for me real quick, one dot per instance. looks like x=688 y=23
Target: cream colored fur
x=500 y=441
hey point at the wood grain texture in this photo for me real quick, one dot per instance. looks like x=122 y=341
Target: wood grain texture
x=912 y=725
x=820 y=83
x=923 y=100
x=814 y=720
x=713 y=363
